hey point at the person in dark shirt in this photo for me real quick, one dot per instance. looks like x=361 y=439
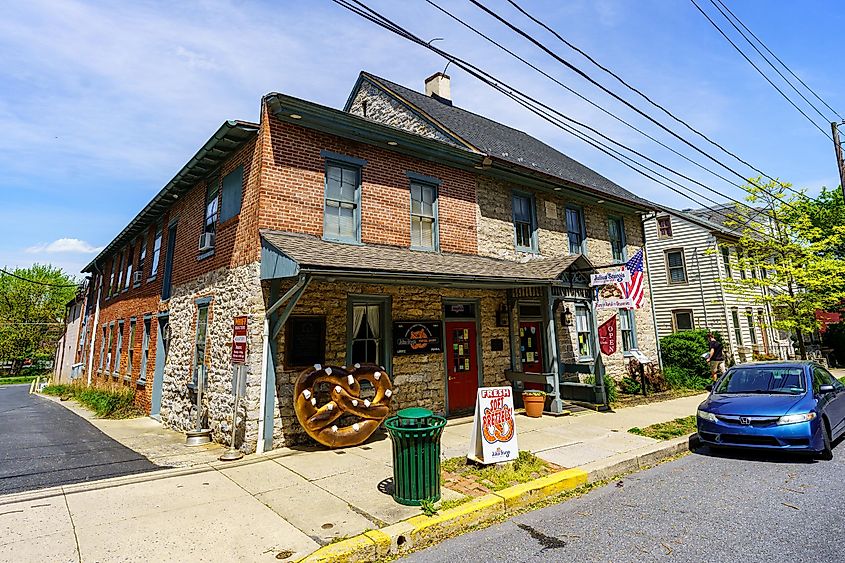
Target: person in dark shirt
x=716 y=356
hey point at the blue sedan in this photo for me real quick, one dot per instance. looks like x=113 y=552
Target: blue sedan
x=775 y=405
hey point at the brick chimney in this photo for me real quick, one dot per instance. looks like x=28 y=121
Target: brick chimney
x=438 y=87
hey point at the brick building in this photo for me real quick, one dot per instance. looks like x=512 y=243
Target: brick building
x=342 y=234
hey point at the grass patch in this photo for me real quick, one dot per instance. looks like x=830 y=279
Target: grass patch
x=667 y=430
x=106 y=402
x=452 y=503
x=496 y=477
x=17 y=379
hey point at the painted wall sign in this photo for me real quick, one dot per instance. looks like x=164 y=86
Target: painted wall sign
x=239 y=341
x=417 y=337
x=493 y=437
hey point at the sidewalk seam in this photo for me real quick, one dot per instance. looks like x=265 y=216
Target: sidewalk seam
x=73 y=527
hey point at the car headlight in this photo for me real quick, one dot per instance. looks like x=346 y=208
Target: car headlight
x=794 y=418
x=707 y=415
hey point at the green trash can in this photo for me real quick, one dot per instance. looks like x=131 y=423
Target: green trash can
x=416 y=455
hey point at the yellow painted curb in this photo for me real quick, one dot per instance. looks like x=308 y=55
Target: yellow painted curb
x=528 y=493
x=357 y=548
x=446 y=523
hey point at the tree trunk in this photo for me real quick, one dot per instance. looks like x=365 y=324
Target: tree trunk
x=802 y=349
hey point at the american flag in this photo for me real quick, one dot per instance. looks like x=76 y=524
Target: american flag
x=634 y=289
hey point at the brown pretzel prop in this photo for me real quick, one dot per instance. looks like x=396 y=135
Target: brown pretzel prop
x=319 y=421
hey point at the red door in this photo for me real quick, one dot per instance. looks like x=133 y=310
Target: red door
x=461 y=365
x=531 y=350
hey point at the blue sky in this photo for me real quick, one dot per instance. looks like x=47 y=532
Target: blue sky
x=101 y=103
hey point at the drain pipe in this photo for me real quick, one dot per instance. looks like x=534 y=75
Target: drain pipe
x=294 y=292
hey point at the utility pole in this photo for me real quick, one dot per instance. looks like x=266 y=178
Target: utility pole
x=837 y=146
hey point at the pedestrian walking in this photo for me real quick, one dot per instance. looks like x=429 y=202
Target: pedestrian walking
x=716 y=356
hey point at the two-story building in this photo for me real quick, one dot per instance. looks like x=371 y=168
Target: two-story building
x=692 y=253
x=341 y=234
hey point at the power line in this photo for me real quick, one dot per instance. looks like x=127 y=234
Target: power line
x=633 y=89
x=525 y=100
x=783 y=64
x=38 y=282
x=757 y=68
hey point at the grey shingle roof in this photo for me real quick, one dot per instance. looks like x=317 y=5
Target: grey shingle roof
x=312 y=253
x=720 y=216
x=507 y=143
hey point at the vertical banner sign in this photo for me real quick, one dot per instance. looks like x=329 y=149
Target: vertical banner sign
x=607 y=336
x=239 y=338
x=493 y=426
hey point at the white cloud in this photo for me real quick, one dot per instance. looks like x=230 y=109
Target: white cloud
x=71 y=245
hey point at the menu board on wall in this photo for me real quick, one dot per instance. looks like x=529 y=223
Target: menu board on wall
x=417 y=337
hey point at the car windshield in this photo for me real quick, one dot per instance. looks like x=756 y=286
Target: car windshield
x=764 y=380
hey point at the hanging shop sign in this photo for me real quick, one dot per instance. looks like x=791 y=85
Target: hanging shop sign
x=417 y=337
x=239 y=341
x=607 y=336
x=493 y=437
x=616 y=276
x=611 y=296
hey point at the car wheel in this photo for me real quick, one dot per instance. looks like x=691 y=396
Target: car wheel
x=827 y=451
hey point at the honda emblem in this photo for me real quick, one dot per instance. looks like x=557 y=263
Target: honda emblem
x=744 y=420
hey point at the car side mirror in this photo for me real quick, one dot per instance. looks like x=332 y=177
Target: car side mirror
x=708 y=387
x=826 y=389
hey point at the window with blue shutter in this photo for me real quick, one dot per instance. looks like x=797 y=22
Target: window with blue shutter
x=233 y=189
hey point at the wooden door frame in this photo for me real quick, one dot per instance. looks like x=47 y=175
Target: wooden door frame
x=479 y=361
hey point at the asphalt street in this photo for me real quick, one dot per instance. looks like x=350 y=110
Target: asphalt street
x=706 y=506
x=42 y=444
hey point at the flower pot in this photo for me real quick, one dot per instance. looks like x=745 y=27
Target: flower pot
x=534 y=405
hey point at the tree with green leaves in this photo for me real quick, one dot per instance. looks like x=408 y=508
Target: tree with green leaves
x=32 y=309
x=794 y=246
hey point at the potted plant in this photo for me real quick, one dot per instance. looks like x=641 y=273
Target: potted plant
x=534 y=402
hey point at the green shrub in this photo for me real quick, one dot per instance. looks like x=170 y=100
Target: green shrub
x=111 y=402
x=609 y=387
x=684 y=349
x=680 y=378
x=630 y=386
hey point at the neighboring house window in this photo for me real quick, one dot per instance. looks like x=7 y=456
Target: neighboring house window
x=305 y=342
x=118 y=348
x=156 y=252
x=726 y=258
x=524 y=224
x=103 y=348
x=764 y=273
x=676 y=266
x=367 y=332
x=749 y=318
x=423 y=216
x=342 y=214
x=200 y=340
x=233 y=189
x=664 y=227
x=737 y=331
x=212 y=205
x=682 y=319
x=616 y=232
x=627 y=329
x=740 y=257
x=145 y=351
x=168 y=262
x=130 y=349
x=130 y=257
x=142 y=257
x=583 y=329
x=575 y=230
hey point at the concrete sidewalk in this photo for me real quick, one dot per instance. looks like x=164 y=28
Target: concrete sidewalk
x=278 y=506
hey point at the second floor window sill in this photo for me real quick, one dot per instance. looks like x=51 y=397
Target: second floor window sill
x=205 y=254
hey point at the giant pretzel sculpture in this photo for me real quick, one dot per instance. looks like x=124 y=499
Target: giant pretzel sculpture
x=319 y=421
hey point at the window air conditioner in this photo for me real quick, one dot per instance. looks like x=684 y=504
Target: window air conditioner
x=207 y=241
x=137 y=277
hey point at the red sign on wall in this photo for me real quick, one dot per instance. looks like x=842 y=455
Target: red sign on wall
x=239 y=339
x=607 y=336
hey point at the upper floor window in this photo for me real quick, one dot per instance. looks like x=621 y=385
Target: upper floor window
x=741 y=264
x=130 y=257
x=524 y=223
x=616 y=232
x=342 y=214
x=233 y=189
x=575 y=230
x=156 y=252
x=111 y=288
x=682 y=320
x=676 y=266
x=423 y=216
x=726 y=258
x=142 y=258
x=664 y=227
x=212 y=205
x=120 y=266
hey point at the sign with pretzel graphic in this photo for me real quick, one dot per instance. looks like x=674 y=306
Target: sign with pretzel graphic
x=493 y=427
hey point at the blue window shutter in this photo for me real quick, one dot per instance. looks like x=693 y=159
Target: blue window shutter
x=233 y=187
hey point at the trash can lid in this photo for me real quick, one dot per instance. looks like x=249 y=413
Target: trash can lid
x=414 y=413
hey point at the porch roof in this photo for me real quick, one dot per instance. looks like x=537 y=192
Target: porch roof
x=287 y=255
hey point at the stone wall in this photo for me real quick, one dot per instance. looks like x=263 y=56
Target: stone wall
x=418 y=380
x=233 y=292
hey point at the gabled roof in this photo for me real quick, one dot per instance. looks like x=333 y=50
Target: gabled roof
x=291 y=254
x=231 y=136
x=723 y=214
x=500 y=141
